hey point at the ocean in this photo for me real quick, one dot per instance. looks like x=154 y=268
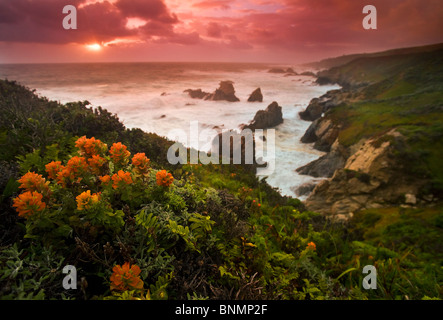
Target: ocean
x=150 y=96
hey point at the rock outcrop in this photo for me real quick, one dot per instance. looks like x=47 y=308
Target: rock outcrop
x=308 y=73
x=197 y=94
x=327 y=164
x=256 y=96
x=225 y=92
x=304 y=189
x=288 y=71
x=370 y=178
x=323 y=132
x=268 y=118
x=329 y=100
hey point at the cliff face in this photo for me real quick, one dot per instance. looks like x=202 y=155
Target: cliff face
x=331 y=99
x=380 y=132
x=370 y=178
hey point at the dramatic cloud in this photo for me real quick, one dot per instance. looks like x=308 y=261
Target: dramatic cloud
x=41 y=21
x=222 y=4
x=146 y=9
x=233 y=29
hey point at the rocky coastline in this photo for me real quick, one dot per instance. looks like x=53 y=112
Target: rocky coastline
x=369 y=172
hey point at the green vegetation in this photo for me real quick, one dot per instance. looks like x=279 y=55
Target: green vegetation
x=214 y=232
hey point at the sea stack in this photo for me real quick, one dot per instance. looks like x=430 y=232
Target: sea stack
x=256 y=96
x=268 y=118
x=225 y=91
x=197 y=94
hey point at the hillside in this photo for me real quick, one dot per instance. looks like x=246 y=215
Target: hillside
x=80 y=189
x=342 y=60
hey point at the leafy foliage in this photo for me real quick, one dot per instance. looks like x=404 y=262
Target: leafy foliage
x=211 y=232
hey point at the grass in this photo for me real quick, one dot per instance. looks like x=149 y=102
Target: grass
x=416 y=229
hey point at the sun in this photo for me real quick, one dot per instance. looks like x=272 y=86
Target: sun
x=93 y=47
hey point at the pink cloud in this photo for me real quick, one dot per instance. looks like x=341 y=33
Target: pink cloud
x=146 y=9
x=281 y=29
x=219 y=4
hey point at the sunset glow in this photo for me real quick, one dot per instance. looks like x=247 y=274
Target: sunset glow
x=213 y=30
x=93 y=47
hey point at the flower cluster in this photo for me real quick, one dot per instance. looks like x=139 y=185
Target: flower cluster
x=255 y=204
x=106 y=180
x=73 y=172
x=311 y=246
x=29 y=203
x=121 y=179
x=140 y=163
x=126 y=277
x=164 y=179
x=96 y=163
x=92 y=176
x=119 y=154
x=90 y=147
x=53 y=169
x=32 y=181
x=86 y=200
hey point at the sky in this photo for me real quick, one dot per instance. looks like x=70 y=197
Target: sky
x=279 y=31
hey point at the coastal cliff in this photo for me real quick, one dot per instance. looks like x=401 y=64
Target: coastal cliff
x=382 y=133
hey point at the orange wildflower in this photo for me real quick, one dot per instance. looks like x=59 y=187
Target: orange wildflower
x=96 y=163
x=80 y=143
x=75 y=167
x=90 y=147
x=29 y=203
x=105 y=179
x=86 y=200
x=53 y=169
x=311 y=246
x=119 y=153
x=141 y=163
x=32 y=181
x=126 y=277
x=64 y=176
x=164 y=178
x=121 y=179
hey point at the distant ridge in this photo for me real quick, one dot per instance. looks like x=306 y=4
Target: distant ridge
x=337 y=61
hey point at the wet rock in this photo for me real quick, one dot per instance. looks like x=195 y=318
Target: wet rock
x=326 y=165
x=268 y=118
x=323 y=132
x=224 y=92
x=197 y=94
x=256 y=96
x=305 y=189
x=318 y=106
